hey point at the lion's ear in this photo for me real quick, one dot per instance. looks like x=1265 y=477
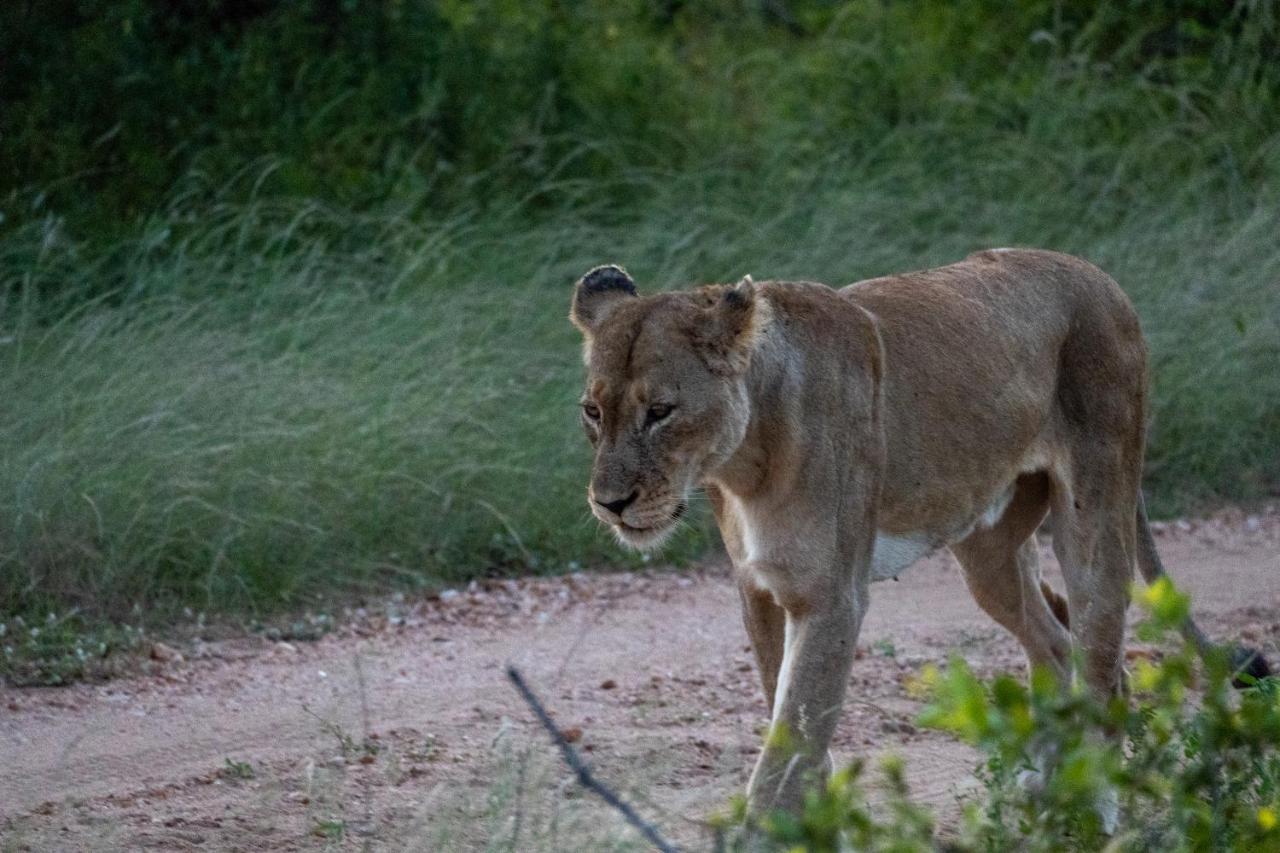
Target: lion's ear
x=727 y=333
x=597 y=293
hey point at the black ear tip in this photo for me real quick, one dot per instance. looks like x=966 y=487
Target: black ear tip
x=1248 y=662
x=608 y=277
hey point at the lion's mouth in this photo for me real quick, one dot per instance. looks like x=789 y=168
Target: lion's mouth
x=642 y=531
x=657 y=529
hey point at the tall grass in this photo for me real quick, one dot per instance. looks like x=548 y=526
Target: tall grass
x=253 y=401
x=282 y=401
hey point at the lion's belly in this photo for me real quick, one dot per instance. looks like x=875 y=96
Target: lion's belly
x=895 y=553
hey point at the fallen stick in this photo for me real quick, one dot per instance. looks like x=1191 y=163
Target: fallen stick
x=576 y=764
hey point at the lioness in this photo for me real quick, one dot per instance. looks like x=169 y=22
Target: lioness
x=841 y=435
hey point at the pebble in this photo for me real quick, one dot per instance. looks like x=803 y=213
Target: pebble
x=165 y=654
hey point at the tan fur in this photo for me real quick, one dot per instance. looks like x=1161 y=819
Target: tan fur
x=948 y=407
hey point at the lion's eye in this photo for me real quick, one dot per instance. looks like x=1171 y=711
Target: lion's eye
x=658 y=412
x=592 y=411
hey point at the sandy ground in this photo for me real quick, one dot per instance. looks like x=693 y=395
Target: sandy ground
x=399 y=730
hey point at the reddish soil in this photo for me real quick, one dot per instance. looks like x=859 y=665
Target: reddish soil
x=399 y=730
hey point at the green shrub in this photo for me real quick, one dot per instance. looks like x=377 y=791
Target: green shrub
x=59 y=650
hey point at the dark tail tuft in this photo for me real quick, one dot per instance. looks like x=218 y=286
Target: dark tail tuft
x=1248 y=662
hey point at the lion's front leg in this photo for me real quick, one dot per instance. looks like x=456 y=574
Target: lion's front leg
x=765 y=622
x=821 y=632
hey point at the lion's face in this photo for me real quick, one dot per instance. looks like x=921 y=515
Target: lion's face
x=658 y=423
x=665 y=401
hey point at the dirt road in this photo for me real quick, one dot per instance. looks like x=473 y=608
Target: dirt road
x=398 y=731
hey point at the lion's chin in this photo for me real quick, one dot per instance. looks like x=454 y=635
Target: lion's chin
x=644 y=538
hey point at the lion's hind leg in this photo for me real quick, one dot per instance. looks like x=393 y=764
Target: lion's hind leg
x=1001 y=566
x=1094 y=540
x=1002 y=569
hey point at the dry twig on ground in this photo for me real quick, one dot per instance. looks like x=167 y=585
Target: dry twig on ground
x=576 y=764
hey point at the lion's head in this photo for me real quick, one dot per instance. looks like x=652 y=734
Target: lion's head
x=665 y=400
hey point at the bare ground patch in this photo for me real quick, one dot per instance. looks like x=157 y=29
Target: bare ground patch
x=399 y=731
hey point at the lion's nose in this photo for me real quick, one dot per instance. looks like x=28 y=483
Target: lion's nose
x=616 y=507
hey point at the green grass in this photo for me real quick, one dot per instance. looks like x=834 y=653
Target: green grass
x=253 y=402
x=276 y=402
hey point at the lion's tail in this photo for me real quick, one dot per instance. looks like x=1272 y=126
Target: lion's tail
x=1245 y=660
